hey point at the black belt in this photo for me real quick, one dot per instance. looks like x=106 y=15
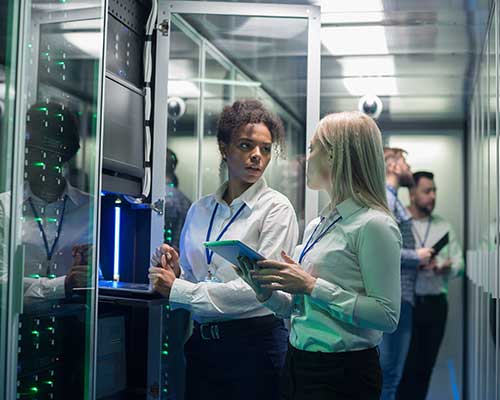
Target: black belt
x=236 y=327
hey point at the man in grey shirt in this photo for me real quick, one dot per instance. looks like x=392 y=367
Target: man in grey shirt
x=431 y=306
x=394 y=346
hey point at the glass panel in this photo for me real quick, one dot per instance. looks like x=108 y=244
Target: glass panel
x=215 y=96
x=241 y=62
x=184 y=97
x=8 y=45
x=63 y=61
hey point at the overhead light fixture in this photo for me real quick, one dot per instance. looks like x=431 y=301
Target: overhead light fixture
x=367 y=66
x=344 y=6
x=380 y=86
x=354 y=40
x=260 y=28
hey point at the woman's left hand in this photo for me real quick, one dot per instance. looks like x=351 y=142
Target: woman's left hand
x=287 y=276
x=162 y=278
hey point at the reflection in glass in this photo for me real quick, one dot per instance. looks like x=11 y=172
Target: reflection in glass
x=8 y=44
x=238 y=61
x=57 y=224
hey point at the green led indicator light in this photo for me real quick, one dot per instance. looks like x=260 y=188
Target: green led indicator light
x=39 y=164
x=171 y=184
x=46 y=54
x=38 y=219
x=165 y=390
x=169 y=230
x=169 y=238
x=52 y=276
x=60 y=63
x=58 y=169
x=164 y=352
x=30 y=45
x=50 y=383
x=36 y=276
x=50 y=329
x=52 y=219
x=35 y=333
x=33 y=389
x=165 y=344
x=167 y=307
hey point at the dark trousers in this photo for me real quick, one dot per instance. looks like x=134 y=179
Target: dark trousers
x=353 y=375
x=429 y=322
x=236 y=360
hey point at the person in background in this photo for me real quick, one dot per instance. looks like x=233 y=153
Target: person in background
x=394 y=346
x=238 y=346
x=431 y=305
x=176 y=203
x=342 y=286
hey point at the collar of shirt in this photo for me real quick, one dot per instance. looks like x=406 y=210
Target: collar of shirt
x=345 y=209
x=249 y=196
x=74 y=195
x=397 y=208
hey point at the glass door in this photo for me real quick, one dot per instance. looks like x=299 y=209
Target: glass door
x=215 y=53
x=55 y=192
x=9 y=14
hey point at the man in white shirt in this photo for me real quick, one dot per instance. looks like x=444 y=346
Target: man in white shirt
x=56 y=231
x=431 y=306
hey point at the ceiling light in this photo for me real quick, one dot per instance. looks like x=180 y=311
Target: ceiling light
x=351 y=17
x=354 y=40
x=380 y=86
x=359 y=6
x=367 y=66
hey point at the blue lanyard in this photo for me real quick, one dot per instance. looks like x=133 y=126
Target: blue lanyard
x=392 y=190
x=308 y=247
x=422 y=242
x=209 y=253
x=49 y=251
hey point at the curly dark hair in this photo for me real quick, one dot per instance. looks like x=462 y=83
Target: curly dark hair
x=250 y=111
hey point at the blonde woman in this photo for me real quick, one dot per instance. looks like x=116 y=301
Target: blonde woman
x=342 y=286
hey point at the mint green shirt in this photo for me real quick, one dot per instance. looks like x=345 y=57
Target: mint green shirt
x=357 y=295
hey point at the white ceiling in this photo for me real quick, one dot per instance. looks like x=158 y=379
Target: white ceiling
x=418 y=55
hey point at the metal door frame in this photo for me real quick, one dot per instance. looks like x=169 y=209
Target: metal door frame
x=165 y=9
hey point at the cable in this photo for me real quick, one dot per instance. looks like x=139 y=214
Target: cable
x=148 y=70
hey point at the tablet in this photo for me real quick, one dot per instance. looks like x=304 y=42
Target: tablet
x=441 y=243
x=232 y=249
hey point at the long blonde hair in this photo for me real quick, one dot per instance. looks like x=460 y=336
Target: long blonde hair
x=353 y=144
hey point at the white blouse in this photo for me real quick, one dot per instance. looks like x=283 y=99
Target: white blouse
x=267 y=224
x=357 y=294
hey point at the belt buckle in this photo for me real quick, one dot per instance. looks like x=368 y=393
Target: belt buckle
x=213 y=331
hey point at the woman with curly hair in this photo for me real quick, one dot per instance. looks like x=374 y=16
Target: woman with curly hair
x=238 y=346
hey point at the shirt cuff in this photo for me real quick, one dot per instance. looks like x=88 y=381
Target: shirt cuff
x=181 y=294
x=338 y=300
x=276 y=303
x=58 y=288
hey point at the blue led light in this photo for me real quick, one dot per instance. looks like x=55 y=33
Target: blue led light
x=116 y=265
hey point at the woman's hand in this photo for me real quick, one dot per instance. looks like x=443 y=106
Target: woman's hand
x=172 y=258
x=246 y=266
x=162 y=277
x=287 y=276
